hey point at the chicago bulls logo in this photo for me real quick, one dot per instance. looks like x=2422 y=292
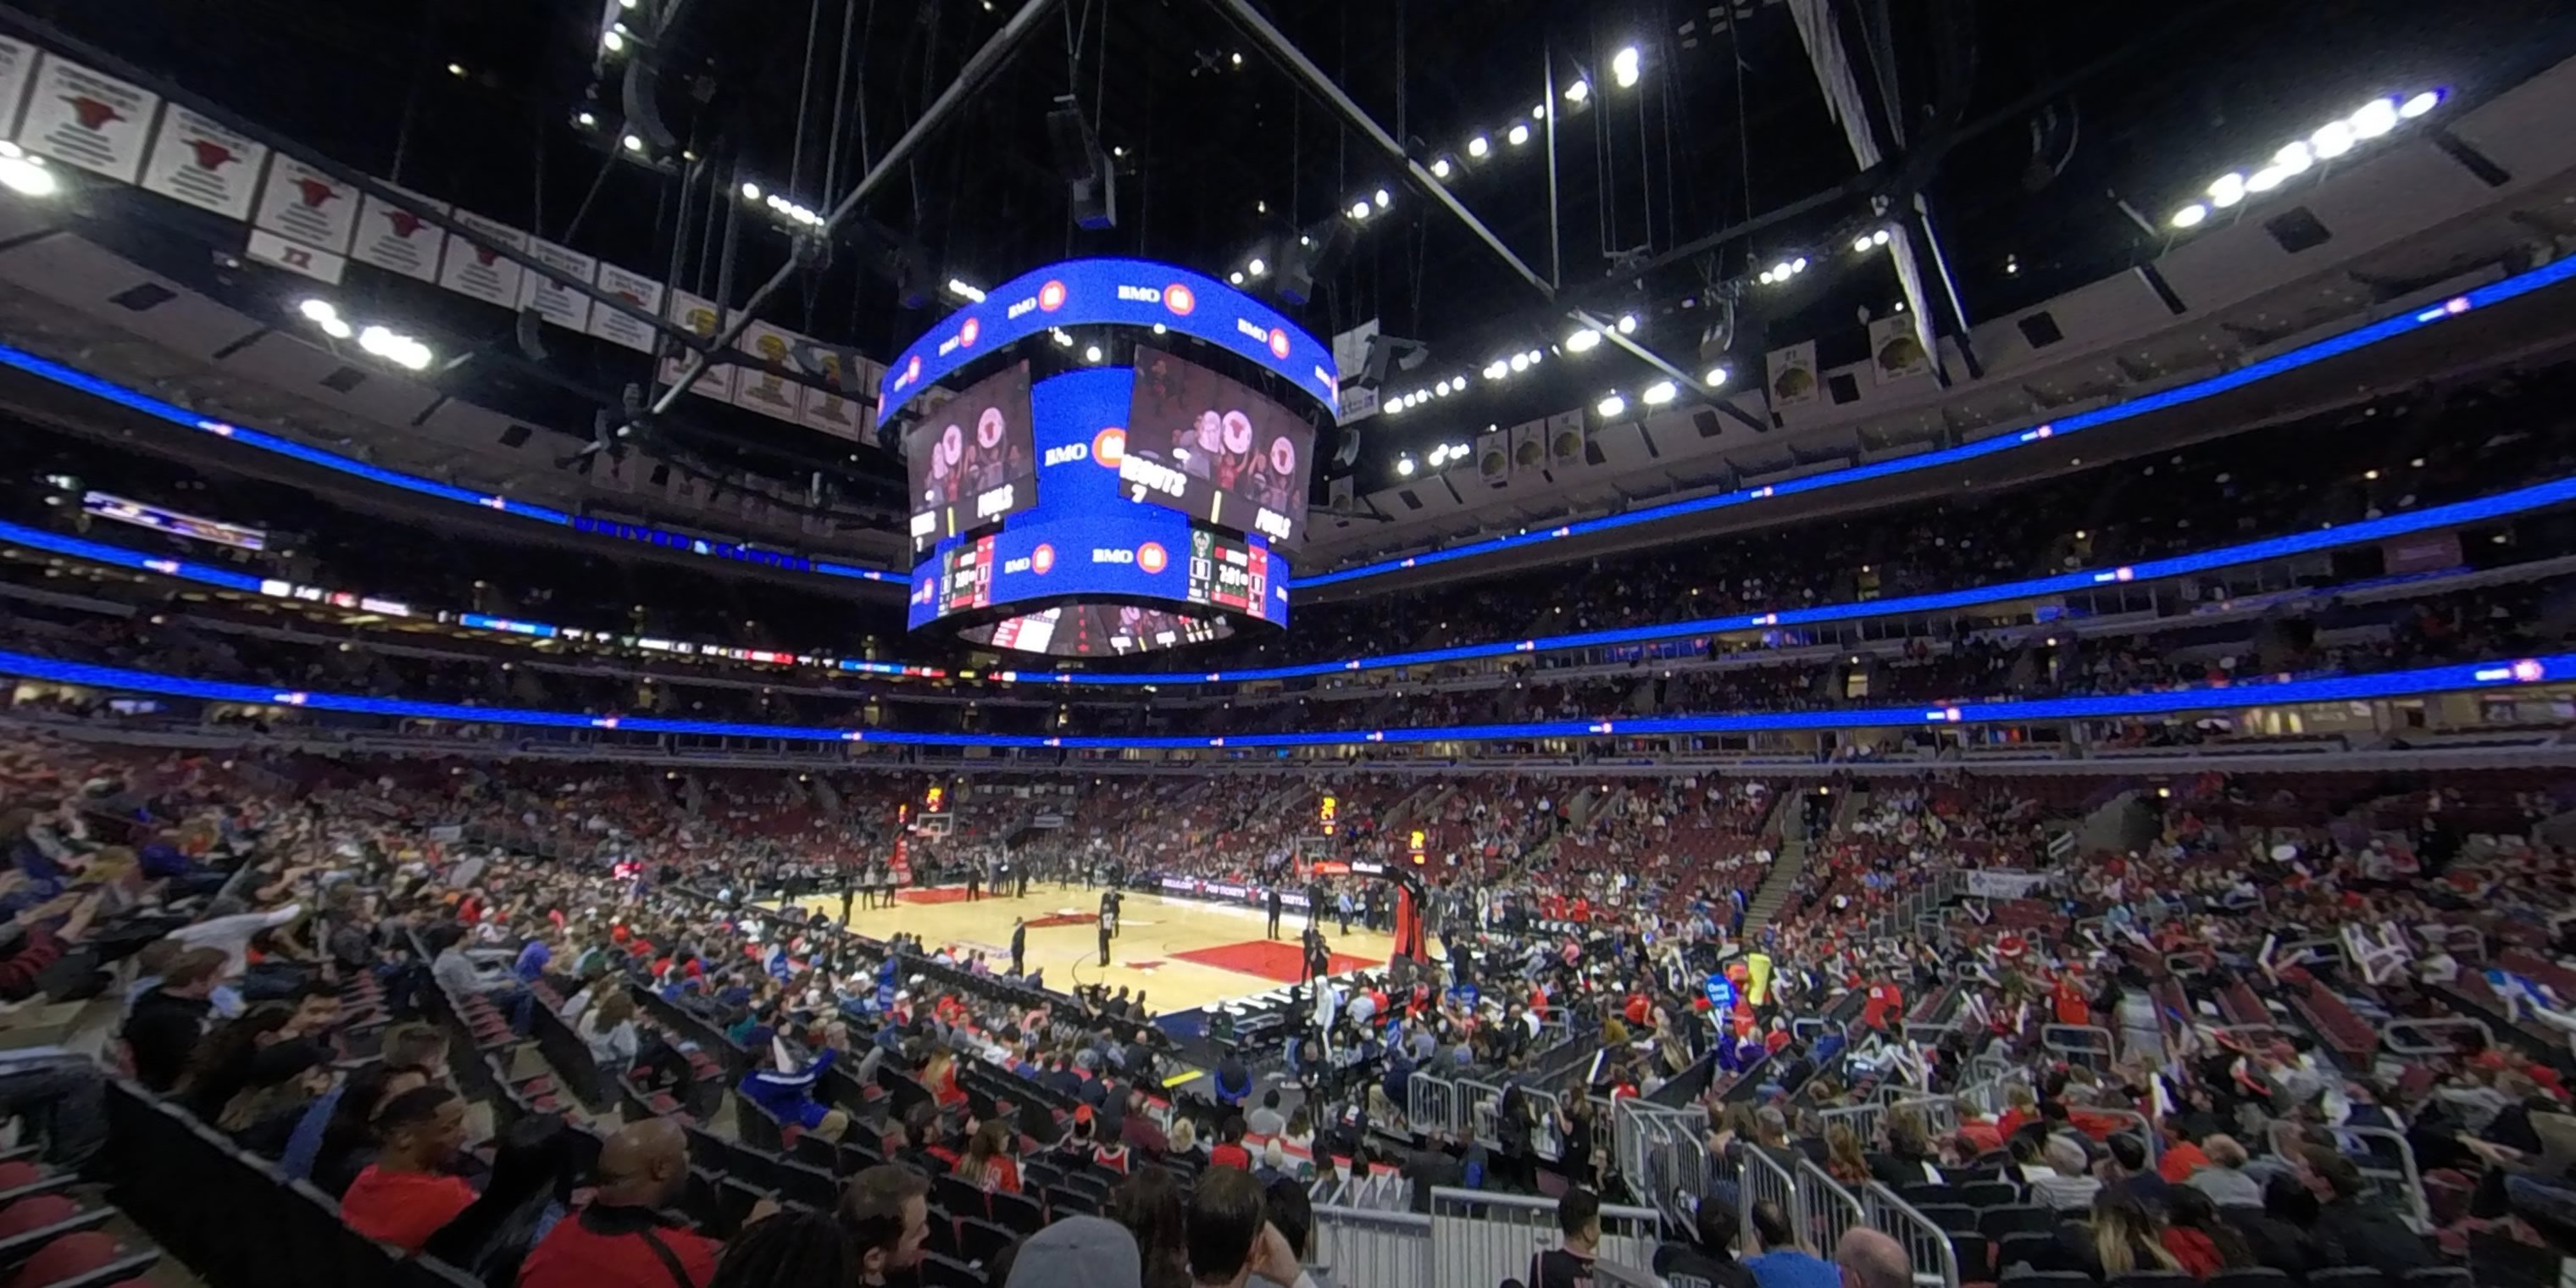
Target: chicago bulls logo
x=966 y=334
x=1042 y=559
x=92 y=113
x=1051 y=297
x=484 y=255
x=403 y=222
x=211 y=155
x=313 y=192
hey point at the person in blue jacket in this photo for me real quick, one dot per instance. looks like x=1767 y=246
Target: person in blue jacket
x=786 y=1089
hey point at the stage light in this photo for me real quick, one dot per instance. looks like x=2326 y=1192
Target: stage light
x=2226 y=190
x=965 y=291
x=1627 y=324
x=1538 y=111
x=2376 y=117
x=1061 y=337
x=1661 y=392
x=2420 y=104
x=456 y=69
x=1716 y=376
x=1404 y=467
x=1359 y=210
x=1159 y=328
x=612 y=40
x=1611 y=405
x=1439 y=455
x=633 y=143
x=1439 y=167
x=1798 y=265
x=318 y=310
x=1583 y=341
x=587 y=119
x=1091 y=353
x=333 y=327
x=1881 y=237
x=2332 y=139
x=1478 y=146
x=1534 y=356
x=1860 y=244
x=1238 y=60
x=26 y=175
x=1518 y=136
x=2266 y=179
x=2294 y=158
x=1442 y=389
x=1382 y=198
x=1623 y=67
x=1520 y=362
x=751 y=192
x=1497 y=369
x=2190 y=216
x=1235 y=277
x=1578 y=90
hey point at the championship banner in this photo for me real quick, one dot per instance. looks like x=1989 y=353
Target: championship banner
x=1793 y=380
x=304 y=221
x=85 y=119
x=635 y=288
x=830 y=410
x=17 y=62
x=1894 y=351
x=396 y=238
x=2004 y=883
x=698 y=314
x=767 y=392
x=473 y=266
x=204 y=164
x=554 y=301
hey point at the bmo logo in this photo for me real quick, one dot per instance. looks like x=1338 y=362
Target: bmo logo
x=1042 y=559
x=1067 y=454
x=1278 y=344
x=1051 y=297
x=1180 y=299
x=1151 y=557
x=1109 y=447
x=967 y=333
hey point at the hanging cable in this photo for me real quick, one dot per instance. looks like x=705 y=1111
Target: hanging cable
x=804 y=98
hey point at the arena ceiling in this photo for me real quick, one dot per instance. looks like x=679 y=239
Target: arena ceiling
x=2045 y=140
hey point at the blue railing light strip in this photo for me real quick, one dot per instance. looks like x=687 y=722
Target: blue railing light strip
x=2318 y=351
x=2346 y=688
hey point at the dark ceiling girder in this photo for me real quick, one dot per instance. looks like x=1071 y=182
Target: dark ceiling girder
x=982 y=67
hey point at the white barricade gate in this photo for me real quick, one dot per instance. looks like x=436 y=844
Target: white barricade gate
x=1479 y=1239
x=2082 y=1044
x=1431 y=1104
x=1658 y=1149
x=1939 y=1115
x=1366 y=1247
x=1864 y=1121
x=1763 y=1178
x=2421 y=1038
x=1927 y=1245
x=1479 y=1105
x=1826 y=1209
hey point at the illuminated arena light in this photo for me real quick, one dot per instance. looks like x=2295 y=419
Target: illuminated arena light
x=2489 y=674
x=2525 y=500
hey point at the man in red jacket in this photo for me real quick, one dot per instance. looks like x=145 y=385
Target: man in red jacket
x=621 y=1240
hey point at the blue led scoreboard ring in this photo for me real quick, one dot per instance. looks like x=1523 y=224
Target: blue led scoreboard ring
x=1076 y=509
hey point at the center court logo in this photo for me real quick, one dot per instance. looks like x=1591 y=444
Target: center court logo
x=1152 y=557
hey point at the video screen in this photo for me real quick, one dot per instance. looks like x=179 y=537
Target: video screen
x=1228 y=572
x=1214 y=450
x=1096 y=630
x=972 y=461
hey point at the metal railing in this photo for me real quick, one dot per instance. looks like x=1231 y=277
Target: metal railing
x=2385 y=1159
x=1479 y=1239
x=1763 y=1178
x=1927 y=1245
x=1361 y=1246
x=1826 y=1209
x=2422 y=1037
x=2083 y=1044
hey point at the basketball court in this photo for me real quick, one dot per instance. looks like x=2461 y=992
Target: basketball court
x=1184 y=953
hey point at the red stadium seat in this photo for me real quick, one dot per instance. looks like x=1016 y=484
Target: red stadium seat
x=68 y=1257
x=35 y=1212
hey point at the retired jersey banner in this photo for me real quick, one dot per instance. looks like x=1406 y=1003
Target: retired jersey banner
x=554 y=301
x=474 y=265
x=80 y=117
x=635 y=288
x=302 y=204
x=17 y=63
x=204 y=164
x=312 y=261
x=396 y=238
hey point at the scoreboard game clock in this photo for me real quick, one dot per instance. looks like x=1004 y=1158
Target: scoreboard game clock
x=1073 y=510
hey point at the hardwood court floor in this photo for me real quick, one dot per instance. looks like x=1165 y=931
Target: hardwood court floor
x=1146 y=954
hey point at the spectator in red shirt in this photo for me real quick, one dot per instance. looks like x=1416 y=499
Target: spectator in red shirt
x=403 y=1197
x=1229 y=1150
x=988 y=1164
x=621 y=1240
